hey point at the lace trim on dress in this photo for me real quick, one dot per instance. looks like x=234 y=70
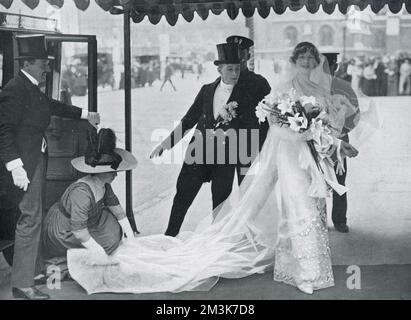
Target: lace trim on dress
x=305 y=256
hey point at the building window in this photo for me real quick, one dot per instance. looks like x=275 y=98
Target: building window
x=380 y=38
x=290 y=36
x=326 y=36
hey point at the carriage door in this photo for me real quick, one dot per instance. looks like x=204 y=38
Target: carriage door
x=73 y=81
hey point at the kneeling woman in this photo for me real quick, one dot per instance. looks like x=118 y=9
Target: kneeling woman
x=89 y=214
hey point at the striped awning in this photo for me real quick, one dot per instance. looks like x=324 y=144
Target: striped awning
x=172 y=9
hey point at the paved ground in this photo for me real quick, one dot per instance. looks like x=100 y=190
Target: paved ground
x=379 y=201
x=374 y=282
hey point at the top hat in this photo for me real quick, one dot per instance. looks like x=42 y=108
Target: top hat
x=331 y=56
x=32 y=47
x=145 y=59
x=243 y=42
x=228 y=53
x=102 y=155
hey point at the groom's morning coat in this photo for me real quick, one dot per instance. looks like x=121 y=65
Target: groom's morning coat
x=201 y=116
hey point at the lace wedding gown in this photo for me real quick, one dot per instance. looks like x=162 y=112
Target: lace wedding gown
x=279 y=221
x=281 y=214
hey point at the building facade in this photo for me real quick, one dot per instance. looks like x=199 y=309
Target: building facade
x=354 y=34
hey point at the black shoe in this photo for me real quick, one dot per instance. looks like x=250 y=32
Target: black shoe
x=342 y=227
x=31 y=293
x=40 y=280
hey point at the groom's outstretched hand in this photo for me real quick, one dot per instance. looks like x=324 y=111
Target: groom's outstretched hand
x=158 y=150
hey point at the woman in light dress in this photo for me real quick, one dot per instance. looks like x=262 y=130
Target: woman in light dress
x=356 y=70
x=280 y=219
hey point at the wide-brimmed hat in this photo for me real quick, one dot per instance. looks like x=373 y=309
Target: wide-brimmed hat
x=243 y=42
x=32 y=47
x=102 y=156
x=228 y=53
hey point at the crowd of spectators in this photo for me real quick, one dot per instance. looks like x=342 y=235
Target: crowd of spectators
x=388 y=75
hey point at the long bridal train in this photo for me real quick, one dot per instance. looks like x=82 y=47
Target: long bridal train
x=241 y=241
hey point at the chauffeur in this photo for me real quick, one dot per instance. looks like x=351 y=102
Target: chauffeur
x=342 y=87
x=258 y=88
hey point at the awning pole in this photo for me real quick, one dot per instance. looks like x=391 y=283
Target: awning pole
x=127 y=109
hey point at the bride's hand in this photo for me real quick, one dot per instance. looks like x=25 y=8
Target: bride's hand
x=275 y=117
x=310 y=108
x=347 y=150
x=272 y=120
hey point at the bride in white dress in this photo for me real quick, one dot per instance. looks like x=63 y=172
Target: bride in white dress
x=279 y=221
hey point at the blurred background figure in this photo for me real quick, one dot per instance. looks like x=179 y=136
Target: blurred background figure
x=405 y=77
x=392 y=76
x=199 y=69
x=355 y=70
x=167 y=76
x=369 y=81
x=342 y=71
x=379 y=67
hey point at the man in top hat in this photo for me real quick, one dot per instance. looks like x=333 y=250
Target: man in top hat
x=212 y=153
x=25 y=113
x=339 y=86
x=258 y=87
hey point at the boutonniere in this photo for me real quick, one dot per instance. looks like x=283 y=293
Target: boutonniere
x=227 y=113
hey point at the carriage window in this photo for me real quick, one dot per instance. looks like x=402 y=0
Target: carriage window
x=74 y=74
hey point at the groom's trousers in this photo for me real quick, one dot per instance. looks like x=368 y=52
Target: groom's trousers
x=189 y=182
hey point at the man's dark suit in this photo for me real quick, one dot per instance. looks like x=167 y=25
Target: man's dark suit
x=206 y=167
x=257 y=87
x=24 y=116
x=339 y=86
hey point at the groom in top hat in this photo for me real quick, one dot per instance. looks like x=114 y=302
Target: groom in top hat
x=25 y=113
x=342 y=87
x=212 y=153
x=258 y=88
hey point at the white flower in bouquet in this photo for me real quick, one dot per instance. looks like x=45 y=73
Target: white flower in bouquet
x=266 y=107
x=297 y=122
x=261 y=112
x=308 y=100
x=322 y=136
x=290 y=95
x=271 y=99
x=285 y=106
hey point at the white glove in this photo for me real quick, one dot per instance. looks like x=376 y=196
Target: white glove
x=125 y=225
x=98 y=254
x=20 y=178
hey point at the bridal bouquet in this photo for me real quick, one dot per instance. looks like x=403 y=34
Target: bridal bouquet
x=227 y=113
x=302 y=115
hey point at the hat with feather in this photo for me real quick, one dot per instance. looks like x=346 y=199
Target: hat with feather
x=102 y=155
